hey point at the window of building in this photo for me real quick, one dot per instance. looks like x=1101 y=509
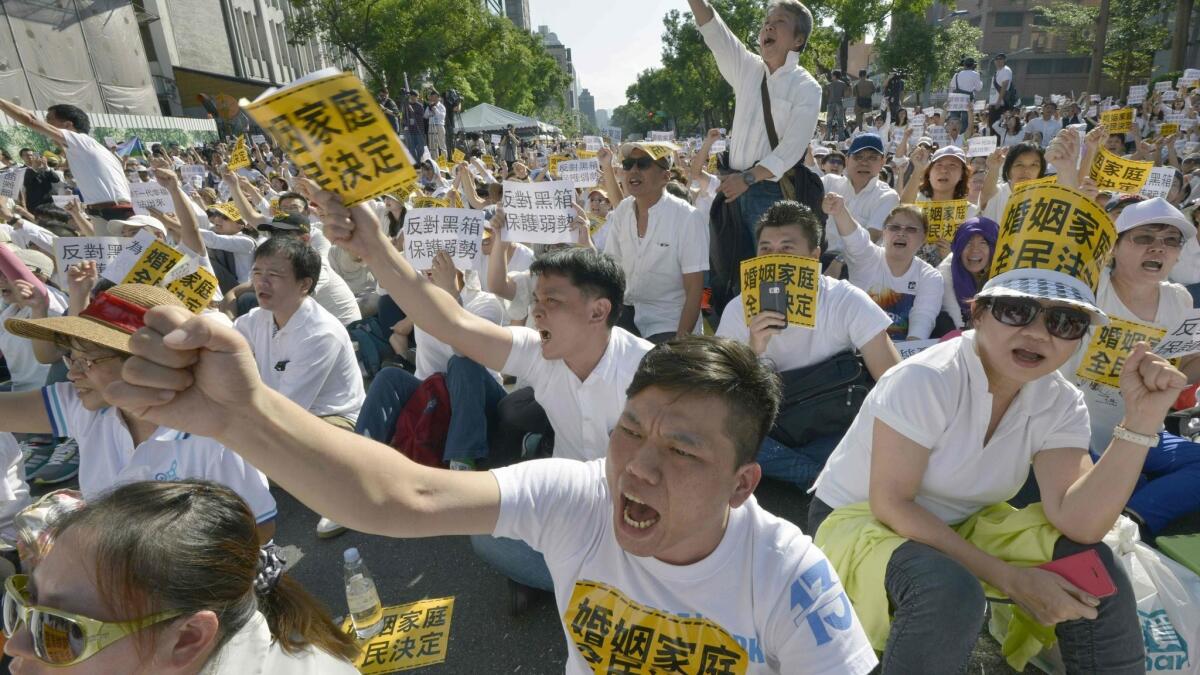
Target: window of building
x=1040 y=19
x=1040 y=67
x=1009 y=19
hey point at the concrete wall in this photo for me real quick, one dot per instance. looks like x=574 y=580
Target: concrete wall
x=199 y=35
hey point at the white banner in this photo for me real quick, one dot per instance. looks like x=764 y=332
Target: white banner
x=981 y=146
x=146 y=196
x=1182 y=339
x=539 y=213
x=457 y=232
x=584 y=173
x=1158 y=183
x=120 y=266
x=74 y=250
x=958 y=102
x=61 y=201
x=11 y=182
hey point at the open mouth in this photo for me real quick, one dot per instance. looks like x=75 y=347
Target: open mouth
x=768 y=41
x=1152 y=265
x=634 y=182
x=545 y=335
x=636 y=513
x=975 y=262
x=1026 y=357
x=900 y=244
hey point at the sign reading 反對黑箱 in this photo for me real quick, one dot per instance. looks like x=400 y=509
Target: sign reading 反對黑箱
x=334 y=130
x=787 y=284
x=1118 y=121
x=539 y=213
x=1182 y=339
x=958 y=102
x=1137 y=94
x=457 y=232
x=943 y=217
x=553 y=161
x=1117 y=173
x=413 y=635
x=75 y=250
x=1158 y=184
x=584 y=173
x=1110 y=346
x=147 y=196
x=1056 y=228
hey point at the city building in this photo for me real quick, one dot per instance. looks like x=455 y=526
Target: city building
x=518 y=13
x=587 y=106
x=601 y=118
x=562 y=54
x=494 y=6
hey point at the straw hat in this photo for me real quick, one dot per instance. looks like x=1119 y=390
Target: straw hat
x=108 y=321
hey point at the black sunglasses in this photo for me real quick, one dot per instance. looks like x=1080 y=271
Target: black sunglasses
x=1064 y=323
x=644 y=162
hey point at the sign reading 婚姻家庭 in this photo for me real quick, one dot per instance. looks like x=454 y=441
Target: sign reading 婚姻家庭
x=787 y=284
x=413 y=635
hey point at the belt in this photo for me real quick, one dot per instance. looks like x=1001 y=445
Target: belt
x=107 y=205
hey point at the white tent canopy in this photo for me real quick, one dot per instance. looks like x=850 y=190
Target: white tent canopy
x=487 y=117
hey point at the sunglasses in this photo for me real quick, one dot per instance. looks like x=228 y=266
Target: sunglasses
x=1064 y=323
x=644 y=162
x=906 y=229
x=62 y=638
x=1148 y=239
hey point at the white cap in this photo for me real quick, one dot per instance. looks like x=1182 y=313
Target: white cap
x=142 y=221
x=1044 y=285
x=1154 y=211
x=950 y=151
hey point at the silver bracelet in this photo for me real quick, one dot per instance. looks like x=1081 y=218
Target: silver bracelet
x=1134 y=437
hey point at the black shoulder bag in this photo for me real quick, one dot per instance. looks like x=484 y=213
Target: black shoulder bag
x=821 y=399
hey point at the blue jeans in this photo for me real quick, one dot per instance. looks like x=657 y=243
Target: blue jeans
x=754 y=202
x=799 y=466
x=415 y=140
x=1167 y=488
x=514 y=559
x=1194 y=289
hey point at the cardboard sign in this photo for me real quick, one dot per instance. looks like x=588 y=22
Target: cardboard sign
x=61 y=201
x=539 y=213
x=1117 y=173
x=584 y=173
x=944 y=218
x=1158 y=184
x=457 y=232
x=552 y=163
x=153 y=264
x=1052 y=227
x=1119 y=121
x=458 y=156
x=981 y=146
x=1110 y=345
x=788 y=284
x=146 y=196
x=74 y=250
x=335 y=132
x=11 y=182
x=662 y=136
x=240 y=157
x=427 y=202
x=195 y=290
x=958 y=102
x=228 y=209
x=414 y=635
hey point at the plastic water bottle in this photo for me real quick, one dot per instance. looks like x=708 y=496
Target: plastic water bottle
x=365 y=609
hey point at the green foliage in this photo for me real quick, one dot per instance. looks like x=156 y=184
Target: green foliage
x=1136 y=29
x=923 y=50
x=13 y=138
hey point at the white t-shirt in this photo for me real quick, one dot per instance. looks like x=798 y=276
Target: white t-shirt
x=108 y=458
x=966 y=80
x=676 y=243
x=23 y=367
x=433 y=355
x=1047 y=128
x=252 y=651
x=1008 y=139
x=1003 y=75
x=912 y=300
x=766 y=600
x=939 y=399
x=98 y=173
x=847 y=318
x=870 y=207
x=1187 y=270
x=522 y=258
x=310 y=360
x=581 y=413
x=334 y=294
x=1105 y=406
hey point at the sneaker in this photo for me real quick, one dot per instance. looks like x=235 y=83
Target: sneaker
x=327 y=529
x=63 y=465
x=530 y=444
x=35 y=454
x=462 y=465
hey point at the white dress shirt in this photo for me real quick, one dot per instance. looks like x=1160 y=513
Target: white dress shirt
x=436 y=114
x=966 y=80
x=795 y=102
x=98 y=173
x=869 y=206
x=1049 y=128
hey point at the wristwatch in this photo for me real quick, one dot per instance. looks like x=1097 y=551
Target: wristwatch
x=1134 y=437
x=749 y=177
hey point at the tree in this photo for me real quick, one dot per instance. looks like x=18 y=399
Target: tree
x=924 y=51
x=1136 y=29
x=854 y=19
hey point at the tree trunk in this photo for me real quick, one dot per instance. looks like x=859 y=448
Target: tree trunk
x=1183 y=15
x=1098 y=47
x=844 y=52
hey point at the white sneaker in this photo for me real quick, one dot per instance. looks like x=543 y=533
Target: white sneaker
x=327 y=529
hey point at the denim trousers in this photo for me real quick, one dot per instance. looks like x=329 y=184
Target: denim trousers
x=799 y=466
x=514 y=559
x=754 y=202
x=939 y=610
x=1167 y=488
x=415 y=141
x=474 y=394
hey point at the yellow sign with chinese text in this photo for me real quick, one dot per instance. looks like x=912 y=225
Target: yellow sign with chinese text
x=339 y=137
x=1168 y=128
x=552 y=163
x=1106 y=352
x=413 y=635
x=586 y=154
x=228 y=209
x=1118 y=121
x=196 y=290
x=1045 y=180
x=153 y=264
x=617 y=635
x=489 y=162
x=425 y=202
x=712 y=164
x=240 y=157
x=1052 y=227
x=458 y=156
x=944 y=218
x=787 y=284
x=1117 y=173
x=595 y=222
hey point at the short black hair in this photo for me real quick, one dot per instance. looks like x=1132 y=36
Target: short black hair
x=1020 y=149
x=23 y=151
x=69 y=113
x=594 y=273
x=294 y=195
x=788 y=213
x=306 y=262
x=699 y=365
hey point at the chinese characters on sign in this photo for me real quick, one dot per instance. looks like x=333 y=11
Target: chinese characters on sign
x=1116 y=173
x=11 y=182
x=153 y=264
x=338 y=136
x=584 y=173
x=1158 y=184
x=1118 y=121
x=553 y=161
x=787 y=284
x=240 y=157
x=458 y=232
x=539 y=213
x=195 y=290
x=427 y=202
x=413 y=635
x=146 y=196
x=909 y=348
x=981 y=146
x=74 y=250
x=662 y=136
x=958 y=102
x=1110 y=345
x=1183 y=339
x=944 y=218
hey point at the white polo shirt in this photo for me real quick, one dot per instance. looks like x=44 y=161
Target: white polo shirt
x=870 y=206
x=676 y=243
x=1003 y=75
x=108 y=458
x=433 y=355
x=254 y=651
x=334 y=294
x=310 y=360
x=581 y=413
x=912 y=300
x=939 y=399
x=847 y=318
x=1048 y=128
x=98 y=173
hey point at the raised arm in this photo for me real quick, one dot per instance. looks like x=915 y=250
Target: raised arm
x=702 y=11
x=28 y=119
x=609 y=175
x=498 y=282
x=991 y=180
x=189 y=229
x=920 y=163
x=251 y=215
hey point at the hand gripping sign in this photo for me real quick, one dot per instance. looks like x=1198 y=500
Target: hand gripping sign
x=787 y=284
x=1056 y=228
x=1116 y=173
x=336 y=133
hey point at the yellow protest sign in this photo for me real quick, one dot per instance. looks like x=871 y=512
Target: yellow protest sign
x=426 y=202
x=586 y=154
x=616 y=634
x=458 y=156
x=196 y=290
x=1168 y=128
x=336 y=133
x=240 y=157
x=413 y=635
x=1118 y=121
x=1052 y=227
x=1046 y=180
x=712 y=164
x=944 y=218
x=153 y=264
x=228 y=209
x=595 y=222
x=552 y=163
x=1110 y=345
x=1117 y=173
x=275 y=210
x=489 y=161
x=781 y=283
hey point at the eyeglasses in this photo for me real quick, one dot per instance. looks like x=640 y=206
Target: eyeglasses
x=909 y=229
x=1148 y=239
x=62 y=638
x=83 y=364
x=1064 y=323
x=644 y=162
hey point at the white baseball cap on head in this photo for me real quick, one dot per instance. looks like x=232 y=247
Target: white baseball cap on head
x=1157 y=211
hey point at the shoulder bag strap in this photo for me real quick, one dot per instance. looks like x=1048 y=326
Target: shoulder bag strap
x=767 y=117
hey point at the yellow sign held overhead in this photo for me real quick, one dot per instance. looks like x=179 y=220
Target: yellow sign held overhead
x=458 y=156
x=1168 y=128
x=1110 y=345
x=240 y=157
x=196 y=290
x=1117 y=173
x=228 y=209
x=944 y=218
x=1118 y=121
x=413 y=635
x=153 y=264
x=337 y=134
x=787 y=284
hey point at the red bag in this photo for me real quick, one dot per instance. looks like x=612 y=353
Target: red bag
x=425 y=422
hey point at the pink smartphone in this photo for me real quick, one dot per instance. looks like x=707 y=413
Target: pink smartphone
x=1086 y=571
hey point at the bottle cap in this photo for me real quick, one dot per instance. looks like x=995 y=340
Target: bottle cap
x=351 y=555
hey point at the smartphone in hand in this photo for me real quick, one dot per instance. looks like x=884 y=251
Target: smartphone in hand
x=1086 y=571
x=773 y=297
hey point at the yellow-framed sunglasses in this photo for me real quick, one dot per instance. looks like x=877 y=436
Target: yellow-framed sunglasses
x=62 y=638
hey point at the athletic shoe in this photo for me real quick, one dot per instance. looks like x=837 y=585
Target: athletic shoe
x=62 y=467
x=327 y=529
x=35 y=454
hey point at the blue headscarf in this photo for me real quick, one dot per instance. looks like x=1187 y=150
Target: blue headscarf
x=965 y=286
